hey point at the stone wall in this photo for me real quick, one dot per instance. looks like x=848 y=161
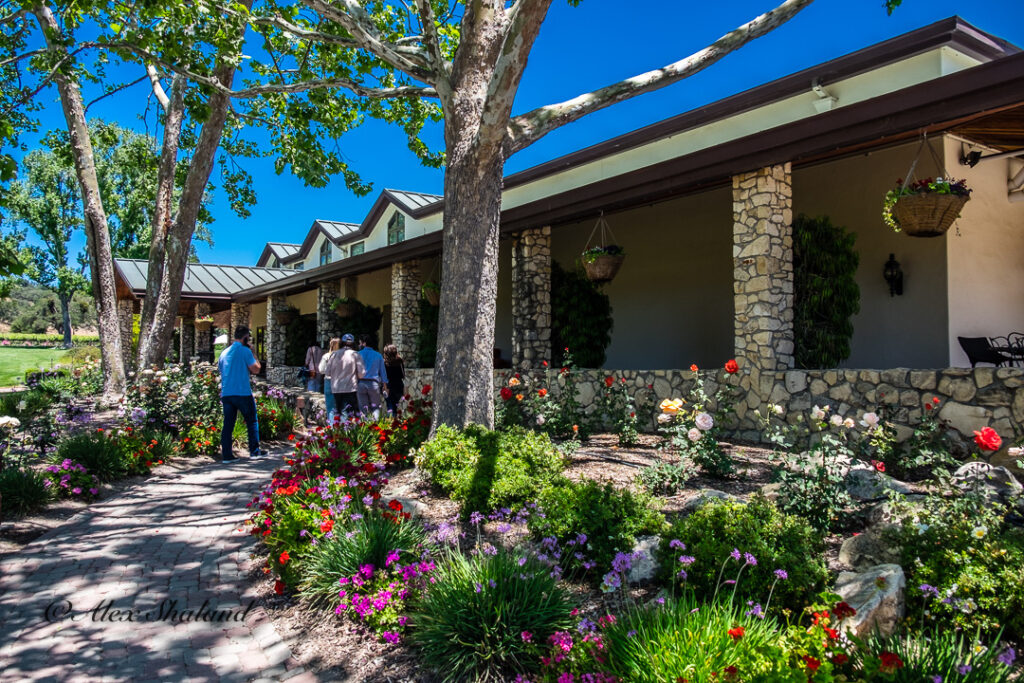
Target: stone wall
x=968 y=399
x=240 y=315
x=531 y=298
x=187 y=347
x=405 y=309
x=284 y=375
x=125 y=320
x=275 y=339
x=327 y=323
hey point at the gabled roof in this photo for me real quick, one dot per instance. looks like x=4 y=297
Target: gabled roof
x=336 y=231
x=413 y=203
x=202 y=280
x=279 y=250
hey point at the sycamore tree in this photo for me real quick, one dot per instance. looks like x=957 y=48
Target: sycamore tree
x=46 y=201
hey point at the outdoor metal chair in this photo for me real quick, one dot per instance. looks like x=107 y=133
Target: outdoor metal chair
x=979 y=350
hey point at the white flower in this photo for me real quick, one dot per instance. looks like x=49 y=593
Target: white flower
x=837 y=420
x=979 y=531
x=704 y=421
x=11 y=423
x=665 y=418
x=968 y=606
x=869 y=420
x=147 y=371
x=1016 y=452
x=817 y=413
x=779 y=410
x=21 y=406
x=694 y=435
x=540 y=419
x=848 y=423
x=921 y=528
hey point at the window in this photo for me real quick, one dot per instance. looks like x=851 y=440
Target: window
x=299 y=266
x=396 y=228
x=358 y=248
x=274 y=263
x=325 y=252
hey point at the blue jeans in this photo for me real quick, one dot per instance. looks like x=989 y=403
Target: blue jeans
x=232 y=406
x=329 y=400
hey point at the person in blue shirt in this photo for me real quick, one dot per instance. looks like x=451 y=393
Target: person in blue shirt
x=374 y=382
x=236 y=363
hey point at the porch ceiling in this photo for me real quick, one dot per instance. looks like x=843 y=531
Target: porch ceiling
x=1003 y=130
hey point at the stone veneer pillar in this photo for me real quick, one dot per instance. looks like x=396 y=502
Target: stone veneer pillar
x=125 y=318
x=187 y=342
x=531 y=298
x=204 y=338
x=763 y=275
x=326 y=320
x=405 y=309
x=240 y=315
x=275 y=341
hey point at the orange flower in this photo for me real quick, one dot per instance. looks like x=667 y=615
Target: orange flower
x=542 y=392
x=519 y=397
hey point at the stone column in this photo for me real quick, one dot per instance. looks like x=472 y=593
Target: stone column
x=125 y=319
x=188 y=341
x=239 y=316
x=405 y=309
x=275 y=340
x=204 y=338
x=763 y=274
x=531 y=298
x=327 y=324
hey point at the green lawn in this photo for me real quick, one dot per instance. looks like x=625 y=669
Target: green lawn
x=14 y=362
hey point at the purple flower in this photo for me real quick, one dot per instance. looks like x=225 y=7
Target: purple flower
x=492 y=583
x=676 y=543
x=526 y=636
x=781 y=574
x=391 y=558
x=964 y=669
x=631 y=633
x=476 y=518
x=735 y=554
x=478 y=587
x=687 y=560
x=586 y=625
x=1007 y=657
x=390 y=637
x=928 y=590
x=755 y=611
x=936 y=679
x=521 y=561
x=750 y=559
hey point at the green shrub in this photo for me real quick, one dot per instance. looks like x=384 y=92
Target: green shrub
x=968 y=563
x=610 y=518
x=22 y=490
x=82 y=354
x=470 y=624
x=775 y=540
x=487 y=470
x=368 y=541
x=24 y=404
x=665 y=479
x=276 y=420
x=99 y=454
x=686 y=640
x=938 y=655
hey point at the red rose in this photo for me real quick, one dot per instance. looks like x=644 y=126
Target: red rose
x=426 y=389
x=284 y=557
x=506 y=393
x=935 y=400
x=839 y=659
x=693 y=368
x=732 y=367
x=542 y=392
x=878 y=465
x=279 y=586
x=987 y=439
x=737 y=632
x=609 y=381
x=812 y=663
x=890 y=662
x=843 y=610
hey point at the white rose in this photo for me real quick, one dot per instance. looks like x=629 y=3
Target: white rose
x=817 y=413
x=7 y=422
x=869 y=420
x=665 y=418
x=837 y=420
x=694 y=435
x=704 y=421
x=1016 y=452
x=779 y=410
x=540 y=419
x=848 y=423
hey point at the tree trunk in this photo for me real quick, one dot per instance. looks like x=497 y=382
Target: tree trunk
x=65 y=313
x=464 y=369
x=101 y=262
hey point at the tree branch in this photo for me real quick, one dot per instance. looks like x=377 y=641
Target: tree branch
x=158 y=90
x=301 y=86
x=357 y=22
x=524 y=21
x=23 y=55
x=123 y=86
x=527 y=128
x=432 y=41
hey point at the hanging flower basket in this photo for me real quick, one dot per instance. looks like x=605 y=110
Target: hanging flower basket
x=431 y=293
x=285 y=316
x=602 y=263
x=928 y=215
x=203 y=324
x=345 y=307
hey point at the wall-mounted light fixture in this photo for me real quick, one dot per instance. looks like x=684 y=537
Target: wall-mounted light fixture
x=893 y=275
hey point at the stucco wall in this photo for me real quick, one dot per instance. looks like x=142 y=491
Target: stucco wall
x=902 y=331
x=672 y=299
x=304 y=301
x=986 y=258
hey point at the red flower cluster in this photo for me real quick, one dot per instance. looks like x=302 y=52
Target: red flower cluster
x=890 y=662
x=737 y=633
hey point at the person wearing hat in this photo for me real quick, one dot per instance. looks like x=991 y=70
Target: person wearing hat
x=345 y=368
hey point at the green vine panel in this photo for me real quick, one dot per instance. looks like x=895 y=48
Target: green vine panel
x=825 y=291
x=427 y=335
x=581 y=317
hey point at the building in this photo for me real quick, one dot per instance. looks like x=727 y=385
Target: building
x=702 y=203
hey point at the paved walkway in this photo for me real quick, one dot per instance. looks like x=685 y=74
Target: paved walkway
x=131 y=588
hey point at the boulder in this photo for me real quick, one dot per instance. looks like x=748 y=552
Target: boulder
x=705 y=496
x=772 y=492
x=867 y=550
x=877 y=594
x=414 y=507
x=645 y=559
x=989 y=480
x=864 y=482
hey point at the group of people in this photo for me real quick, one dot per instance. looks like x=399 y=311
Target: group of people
x=355 y=378
x=353 y=381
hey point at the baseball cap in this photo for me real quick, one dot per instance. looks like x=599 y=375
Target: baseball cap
x=347 y=338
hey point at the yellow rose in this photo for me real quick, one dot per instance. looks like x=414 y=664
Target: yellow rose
x=671 y=406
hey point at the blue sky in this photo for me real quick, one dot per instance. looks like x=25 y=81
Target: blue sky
x=579 y=49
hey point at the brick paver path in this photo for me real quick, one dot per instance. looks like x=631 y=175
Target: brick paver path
x=169 y=545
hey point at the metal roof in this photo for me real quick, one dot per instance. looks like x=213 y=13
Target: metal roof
x=335 y=231
x=204 y=279
x=283 y=251
x=414 y=201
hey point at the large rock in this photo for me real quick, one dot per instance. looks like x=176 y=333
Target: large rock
x=645 y=559
x=989 y=480
x=878 y=596
x=772 y=492
x=867 y=550
x=705 y=496
x=864 y=482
